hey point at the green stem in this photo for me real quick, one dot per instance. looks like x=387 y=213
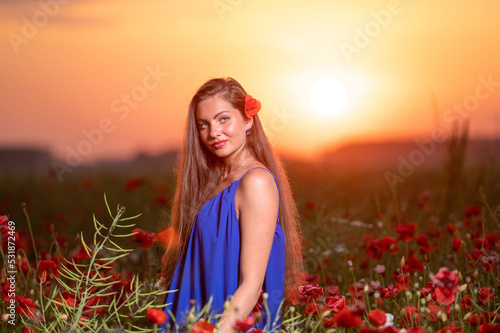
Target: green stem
x=31 y=234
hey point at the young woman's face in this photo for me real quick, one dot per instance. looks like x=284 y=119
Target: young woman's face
x=221 y=127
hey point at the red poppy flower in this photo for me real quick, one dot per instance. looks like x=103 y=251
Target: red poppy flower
x=428 y=289
x=156 y=316
x=203 y=327
x=310 y=277
x=387 y=244
x=492 y=239
x=446 y=282
x=309 y=291
x=433 y=311
x=314 y=309
x=4 y=219
x=476 y=255
x=489 y=262
x=390 y=291
x=26 y=307
x=252 y=106
x=406 y=232
x=47 y=269
x=450 y=329
x=161 y=200
x=335 y=303
x=411 y=315
x=457 y=244
x=243 y=325
x=346 y=318
x=472 y=210
x=466 y=303
x=375 y=249
x=423 y=242
x=489 y=328
x=258 y=305
x=332 y=290
x=133 y=183
x=415 y=329
x=412 y=264
x=329 y=322
x=83 y=320
x=485 y=296
x=377 y=317
x=403 y=282
x=451 y=228
x=144 y=238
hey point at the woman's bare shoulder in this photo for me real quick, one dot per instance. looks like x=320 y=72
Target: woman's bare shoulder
x=257 y=188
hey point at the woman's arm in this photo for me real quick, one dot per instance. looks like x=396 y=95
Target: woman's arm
x=258 y=202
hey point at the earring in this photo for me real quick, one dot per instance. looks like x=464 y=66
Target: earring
x=248 y=132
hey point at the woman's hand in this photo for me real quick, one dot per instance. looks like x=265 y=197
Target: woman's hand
x=226 y=324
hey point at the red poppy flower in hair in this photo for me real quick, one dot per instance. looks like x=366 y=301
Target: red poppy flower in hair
x=252 y=106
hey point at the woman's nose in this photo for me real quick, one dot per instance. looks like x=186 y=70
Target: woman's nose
x=214 y=131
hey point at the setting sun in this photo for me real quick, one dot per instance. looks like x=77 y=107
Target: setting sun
x=328 y=96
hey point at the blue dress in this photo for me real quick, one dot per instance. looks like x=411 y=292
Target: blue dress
x=210 y=266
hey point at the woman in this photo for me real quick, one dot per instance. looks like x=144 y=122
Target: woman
x=233 y=217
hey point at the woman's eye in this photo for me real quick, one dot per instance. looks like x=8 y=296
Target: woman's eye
x=202 y=126
x=224 y=119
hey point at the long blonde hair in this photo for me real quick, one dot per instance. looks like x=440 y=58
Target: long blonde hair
x=198 y=170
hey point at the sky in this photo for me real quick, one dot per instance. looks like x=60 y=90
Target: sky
x=108 y=79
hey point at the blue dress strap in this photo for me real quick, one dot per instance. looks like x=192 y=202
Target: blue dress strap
x=279 y=196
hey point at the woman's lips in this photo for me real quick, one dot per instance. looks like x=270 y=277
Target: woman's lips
x=219 y=144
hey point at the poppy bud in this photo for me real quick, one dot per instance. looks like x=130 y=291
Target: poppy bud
x=64 y=317
x=325 y=314
x=463 y=288
x=402 y=262
x=468 y=315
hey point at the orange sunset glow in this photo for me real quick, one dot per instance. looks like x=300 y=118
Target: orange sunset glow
x=127 y=70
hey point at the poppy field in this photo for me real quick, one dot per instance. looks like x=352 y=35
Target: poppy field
x=85 y=254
